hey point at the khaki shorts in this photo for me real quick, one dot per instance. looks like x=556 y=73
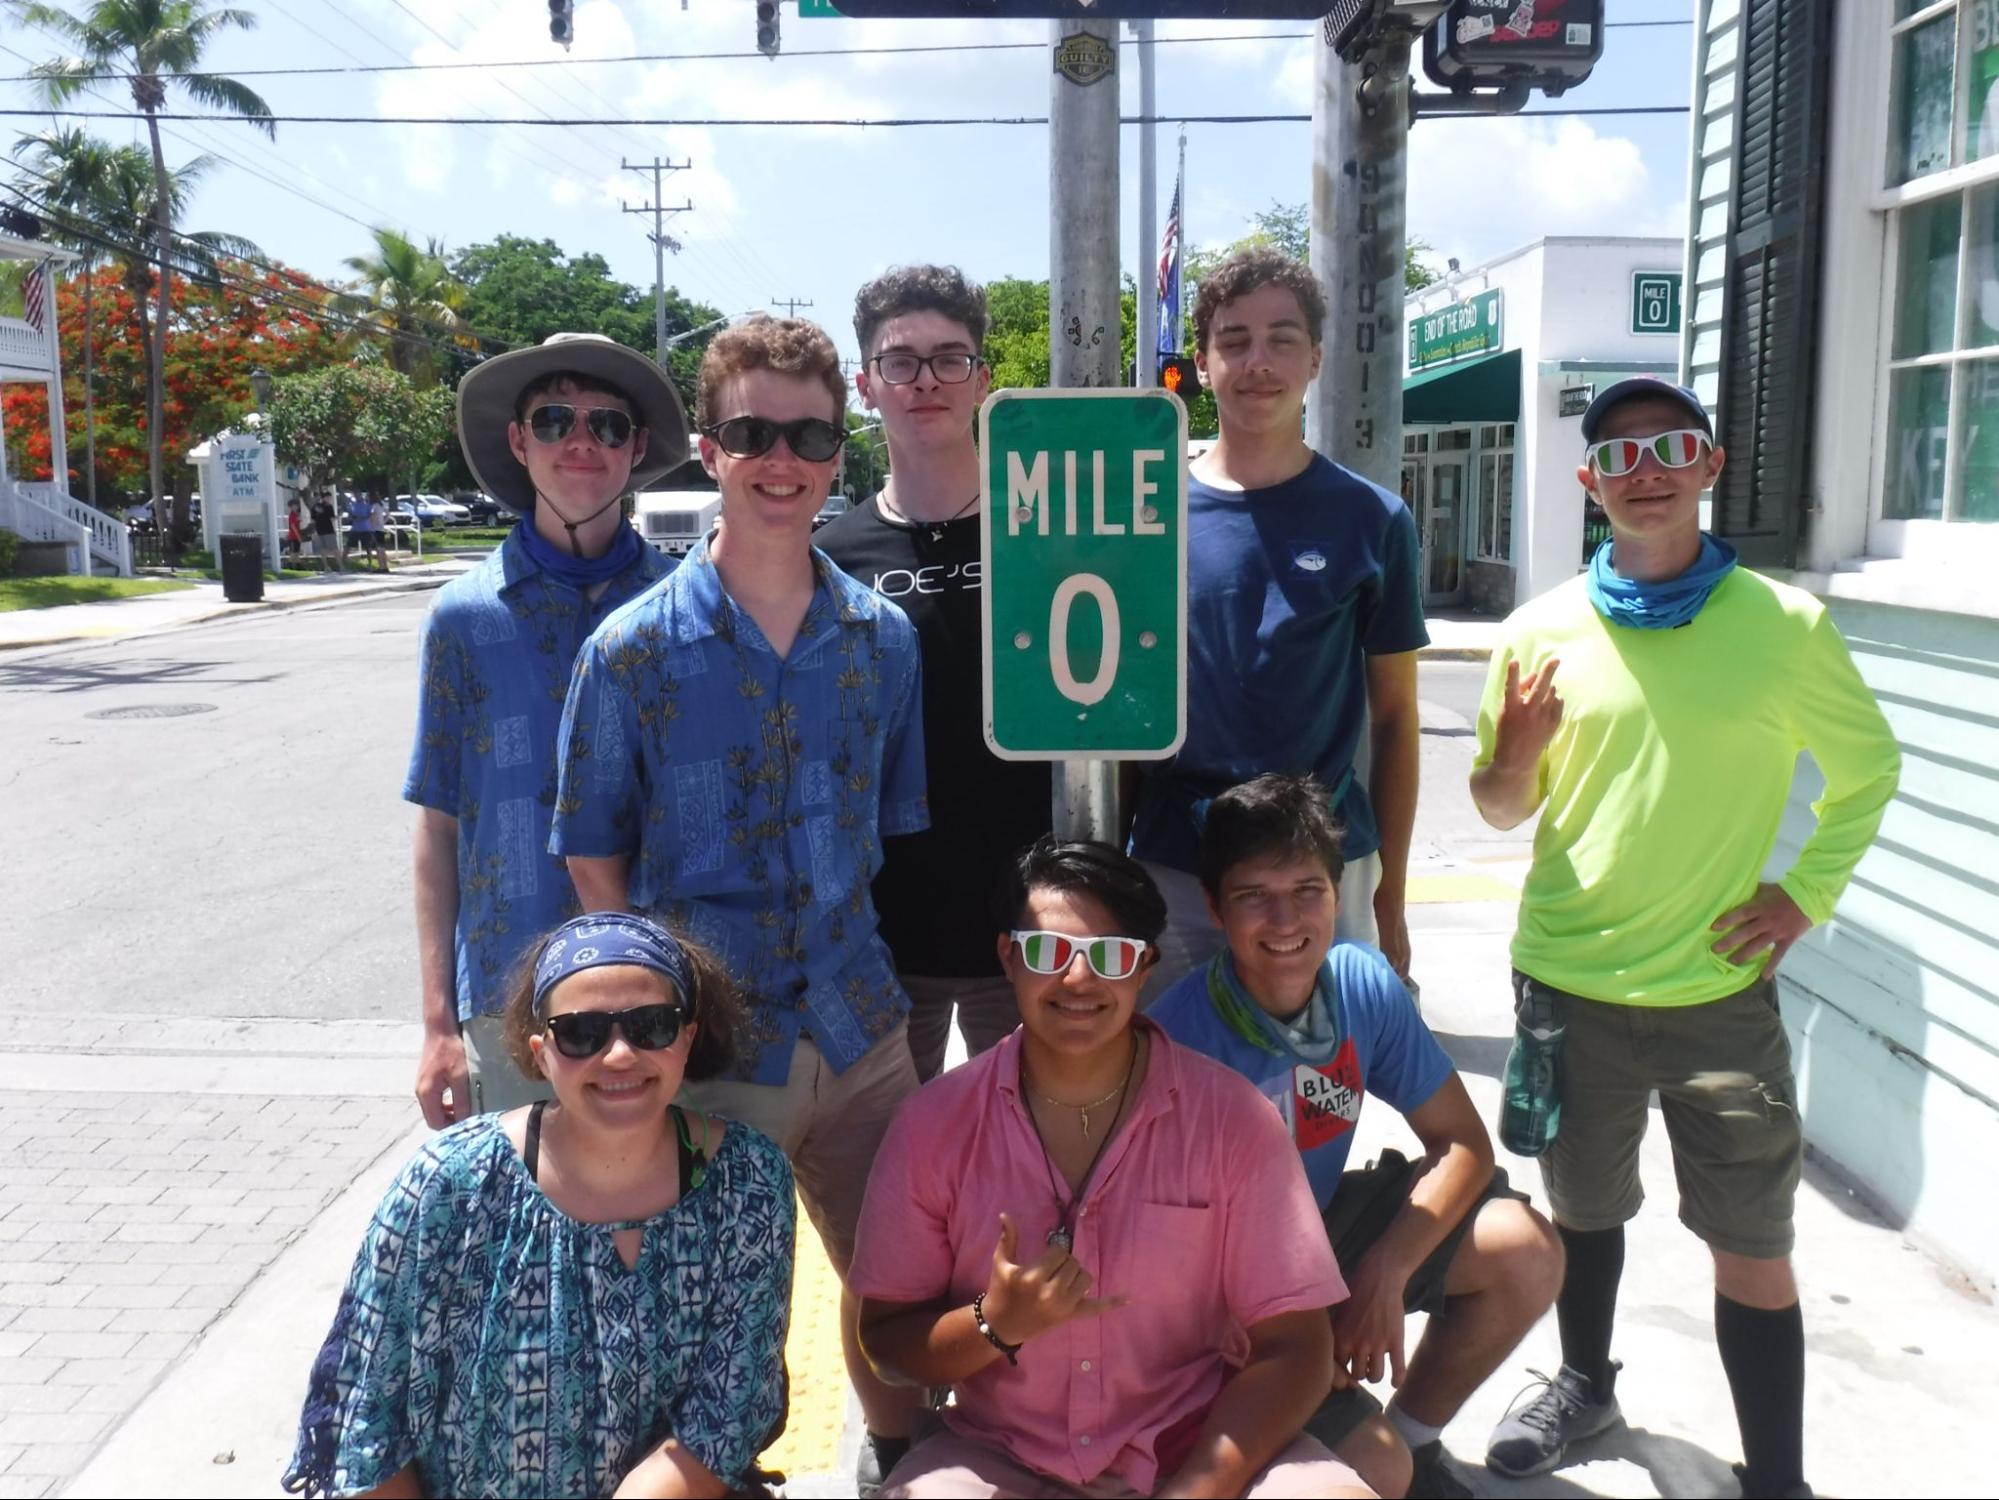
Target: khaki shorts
x=1730 y=1104
x=829 y=1124
x=497 y=1085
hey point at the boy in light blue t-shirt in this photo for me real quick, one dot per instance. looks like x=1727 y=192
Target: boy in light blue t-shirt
x=1317 y=1026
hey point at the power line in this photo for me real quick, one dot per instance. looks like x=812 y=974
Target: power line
x=710 y=122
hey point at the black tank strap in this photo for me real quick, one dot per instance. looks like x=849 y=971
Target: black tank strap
x=531 y=1147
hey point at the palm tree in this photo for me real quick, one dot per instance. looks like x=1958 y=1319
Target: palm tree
x=149 y=44
x=412 y=296
x=97 y=199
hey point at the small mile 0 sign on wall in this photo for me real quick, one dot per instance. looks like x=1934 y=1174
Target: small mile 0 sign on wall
x=1084 y=530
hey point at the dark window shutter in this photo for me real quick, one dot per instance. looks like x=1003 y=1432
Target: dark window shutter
x=1769 y=341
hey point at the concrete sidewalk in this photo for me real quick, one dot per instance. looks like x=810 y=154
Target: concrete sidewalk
x=1900 y=1395
x=1460 y=635
x=107 y=619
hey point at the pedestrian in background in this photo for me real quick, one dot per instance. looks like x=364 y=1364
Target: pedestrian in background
x=1652 y=710
x=921 y=329
x=573 y=1297
x=557 y=433
x=735 y=747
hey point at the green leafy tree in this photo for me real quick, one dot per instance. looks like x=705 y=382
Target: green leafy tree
x=97 y=199
x=360 y=425
x=519 y=291
x=413 y=302
x=150 y=45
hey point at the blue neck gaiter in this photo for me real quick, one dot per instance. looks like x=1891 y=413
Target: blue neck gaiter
x=579 y=572
x=1665 y=603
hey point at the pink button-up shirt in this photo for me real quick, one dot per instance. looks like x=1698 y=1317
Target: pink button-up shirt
x=1199 y=1211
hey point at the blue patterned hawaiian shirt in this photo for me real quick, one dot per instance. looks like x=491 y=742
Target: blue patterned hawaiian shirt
x=753 y=792
x=497 y=650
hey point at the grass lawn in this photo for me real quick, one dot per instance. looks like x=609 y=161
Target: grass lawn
x=41 y=593
x=465 y=536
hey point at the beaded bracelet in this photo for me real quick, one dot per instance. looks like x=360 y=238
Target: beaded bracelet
x=1011 y=1351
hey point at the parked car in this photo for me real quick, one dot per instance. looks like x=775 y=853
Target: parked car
x=484 y=510
x=433 y=510
x=675 y=520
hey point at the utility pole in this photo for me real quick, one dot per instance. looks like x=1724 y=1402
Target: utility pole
x=1083 y=313
x=1145 y=360
x=789 y=304
x=661 y=240
x=1360 y=159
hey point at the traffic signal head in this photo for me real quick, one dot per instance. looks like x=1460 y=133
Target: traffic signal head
x=562 y=21
x=767 y=27
x=1180 y=375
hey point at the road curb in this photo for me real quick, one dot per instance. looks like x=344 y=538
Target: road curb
x=238 y=611
x=1454 y=653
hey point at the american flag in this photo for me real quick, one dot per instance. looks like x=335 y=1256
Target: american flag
x=1169 y=279
x=31 y=295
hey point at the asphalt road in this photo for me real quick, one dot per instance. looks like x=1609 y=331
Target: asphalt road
x=251 y=858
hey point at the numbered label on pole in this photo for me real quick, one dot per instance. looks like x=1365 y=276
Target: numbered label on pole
x=1084 y=529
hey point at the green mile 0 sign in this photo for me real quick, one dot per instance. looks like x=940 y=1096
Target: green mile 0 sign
x=1083 y=523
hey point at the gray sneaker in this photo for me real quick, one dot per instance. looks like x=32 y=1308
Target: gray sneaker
x=1533 y=1438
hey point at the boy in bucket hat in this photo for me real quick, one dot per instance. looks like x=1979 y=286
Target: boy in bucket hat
x=557 y=433
x=1661 y=761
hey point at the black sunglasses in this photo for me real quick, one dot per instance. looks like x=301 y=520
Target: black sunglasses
x=648 y=1028
x=812 y=439
x=555 y=421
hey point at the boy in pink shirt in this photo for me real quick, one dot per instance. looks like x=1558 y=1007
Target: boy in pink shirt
x=1093 y=1235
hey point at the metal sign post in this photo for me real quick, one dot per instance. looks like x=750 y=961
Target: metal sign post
x=1084 y=534
x=1084 y=325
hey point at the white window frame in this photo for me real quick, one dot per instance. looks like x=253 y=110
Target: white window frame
x=1484 y=548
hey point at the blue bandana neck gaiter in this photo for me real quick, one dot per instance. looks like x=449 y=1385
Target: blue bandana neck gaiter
x=1663 y=604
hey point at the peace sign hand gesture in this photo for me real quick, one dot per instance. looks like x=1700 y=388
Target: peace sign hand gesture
x=1024 y=1301
x=1529 y=714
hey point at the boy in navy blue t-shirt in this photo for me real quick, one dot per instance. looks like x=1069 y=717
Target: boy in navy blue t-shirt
x=1304 y=617
x=1317 y=1026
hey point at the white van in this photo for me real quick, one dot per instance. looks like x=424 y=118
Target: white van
x=674 y=520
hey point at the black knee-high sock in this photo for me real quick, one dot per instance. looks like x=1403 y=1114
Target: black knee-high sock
x=1763 y=1353
x=1587 y=1308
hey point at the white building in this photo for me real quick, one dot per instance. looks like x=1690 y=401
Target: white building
x=44 y=510
x=1844 y=326
x=1502 y=360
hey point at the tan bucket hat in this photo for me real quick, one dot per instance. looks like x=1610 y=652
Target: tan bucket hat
x=487 y=394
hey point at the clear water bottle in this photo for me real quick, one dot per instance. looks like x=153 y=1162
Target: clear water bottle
x=1530 y=1110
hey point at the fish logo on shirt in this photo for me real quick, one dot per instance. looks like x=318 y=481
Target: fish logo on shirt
x=1309 y=560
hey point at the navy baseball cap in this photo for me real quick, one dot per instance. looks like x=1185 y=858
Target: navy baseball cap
x=1643 y=385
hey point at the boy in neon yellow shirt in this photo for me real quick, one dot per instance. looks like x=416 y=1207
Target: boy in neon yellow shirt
x=1653 y=710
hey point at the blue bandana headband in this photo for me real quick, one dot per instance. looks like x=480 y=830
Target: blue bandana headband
x=610 y=937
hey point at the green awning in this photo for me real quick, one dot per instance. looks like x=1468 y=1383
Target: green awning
x=1479 y=390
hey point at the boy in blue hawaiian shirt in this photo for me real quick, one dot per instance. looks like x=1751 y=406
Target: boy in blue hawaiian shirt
x=557 y=433
x=1318 y=1026
x=735 y=746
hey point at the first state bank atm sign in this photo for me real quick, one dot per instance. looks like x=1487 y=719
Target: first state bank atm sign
x=1084 y=529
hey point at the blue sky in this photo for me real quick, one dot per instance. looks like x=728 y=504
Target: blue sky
x=810 y=212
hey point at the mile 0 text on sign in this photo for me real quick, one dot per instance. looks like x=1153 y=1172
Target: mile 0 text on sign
x=1083 y=524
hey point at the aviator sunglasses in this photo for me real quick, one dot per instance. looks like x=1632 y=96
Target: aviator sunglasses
x=1615 y=457
x=812 y=439
x=555 y=421
x=646 y=1028
x=1053 y=952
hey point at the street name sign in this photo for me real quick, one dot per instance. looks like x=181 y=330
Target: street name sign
x=1655 y=301
x=1083 y=531
x=1460 y=331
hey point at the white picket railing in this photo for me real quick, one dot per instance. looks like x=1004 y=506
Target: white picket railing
x=23 y=351
x=44 y=513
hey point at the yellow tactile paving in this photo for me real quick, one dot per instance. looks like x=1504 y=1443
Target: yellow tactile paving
x=811 y=1441
x=1429 y=889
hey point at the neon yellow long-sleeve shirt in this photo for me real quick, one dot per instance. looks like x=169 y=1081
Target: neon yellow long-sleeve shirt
x=1667 y=779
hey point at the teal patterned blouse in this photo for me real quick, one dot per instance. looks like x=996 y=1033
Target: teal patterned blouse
x=504 y=1348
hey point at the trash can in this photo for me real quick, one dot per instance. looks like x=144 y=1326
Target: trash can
x=242 y=567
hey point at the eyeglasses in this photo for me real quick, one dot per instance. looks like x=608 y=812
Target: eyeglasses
x=555 y=421
x=1614 y=457
x=1053 y=952
x=900 y=367
x=810 y=438
x=647 y=1028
